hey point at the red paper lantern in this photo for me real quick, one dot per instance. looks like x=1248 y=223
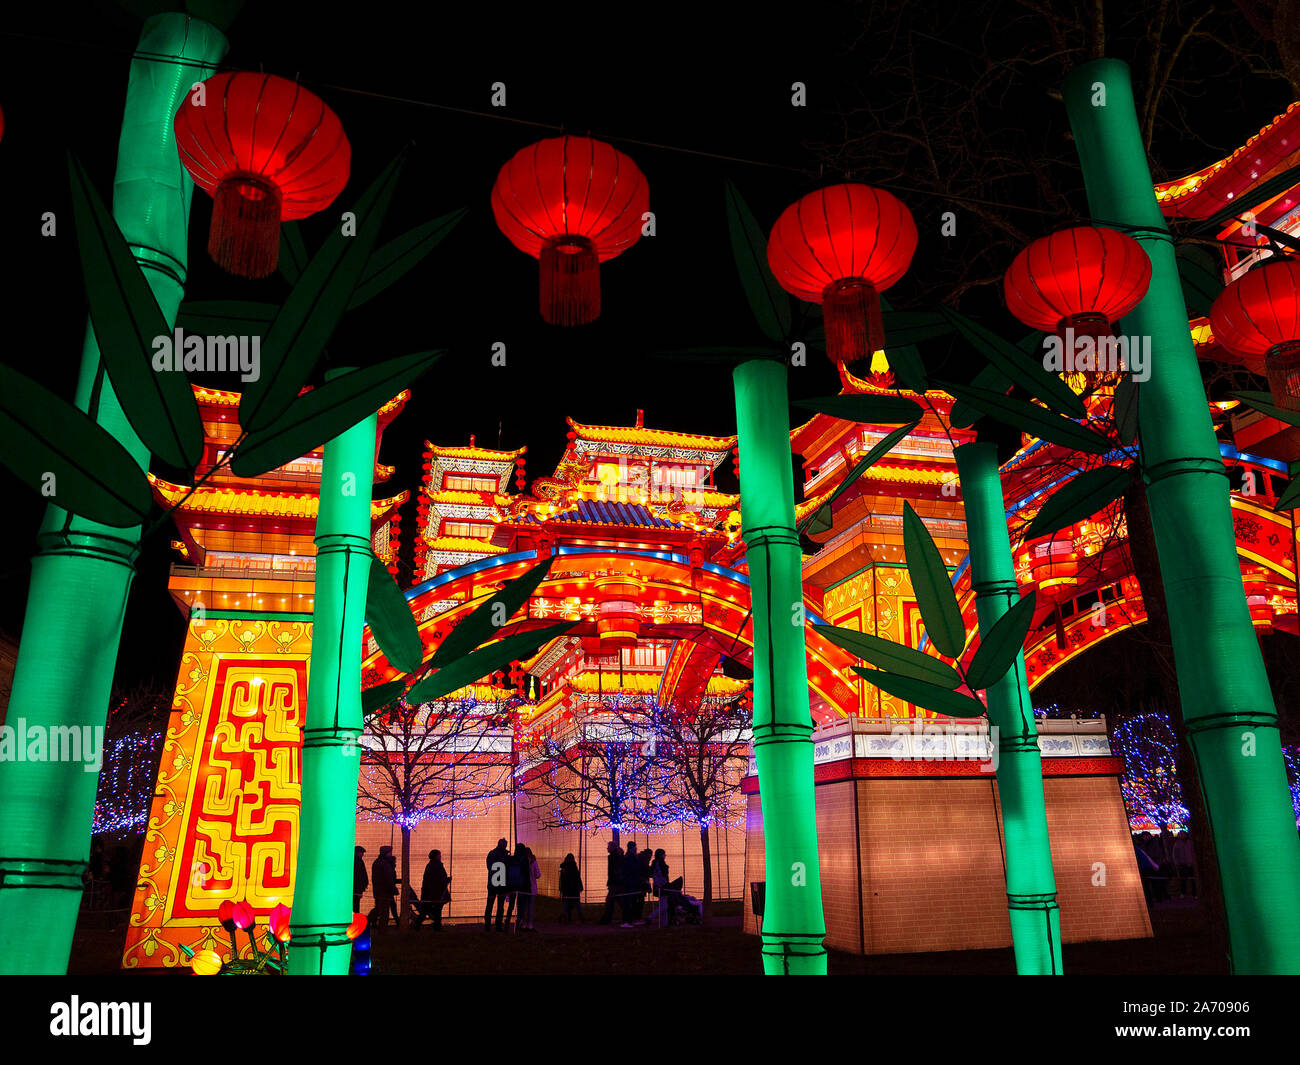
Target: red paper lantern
x=572 y=203
x=267 y=151
x=1259 y=314
x=1083 y=279
x=841 y=247
x=618 y=616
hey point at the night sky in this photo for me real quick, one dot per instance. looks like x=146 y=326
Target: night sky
x=717 y=86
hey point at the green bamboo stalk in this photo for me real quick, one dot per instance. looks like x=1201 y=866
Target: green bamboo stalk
x=82 y=571
x=793 y=925
x=331 y=750
x=1031 y=884
x=1226 y=700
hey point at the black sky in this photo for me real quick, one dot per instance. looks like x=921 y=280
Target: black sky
x=712 y=78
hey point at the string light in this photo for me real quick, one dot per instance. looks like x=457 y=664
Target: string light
x=1152 y=792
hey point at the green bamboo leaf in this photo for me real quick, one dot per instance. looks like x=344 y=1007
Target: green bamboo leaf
x=912 y=327
x=989 y=377
x=226 y=317
x=894 y=657
x=381 y=697
x=929 y=696
x=391 y=624
x=1017 y=366
x=326 y=411
x=1201 y=275
x=159 y=404
x=933 y=587
x=391 y=262
x=861 y=407
x=293 y=252
x=313 y=308
x=908 y=367
x=1125 y=409
x=495 y=656
x=1000 y=646
x=487 y=619
x=1079 y=498
x=1263 y=402
x=819 y=521
x=767 y=299
x=1031 y=418
x=1290 y=498
x=904 y=359
x=42 y=434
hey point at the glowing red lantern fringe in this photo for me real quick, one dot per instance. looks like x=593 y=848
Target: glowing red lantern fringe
x=267 y=151
x=841 y=247
x=1259 y=314
x=572 y=203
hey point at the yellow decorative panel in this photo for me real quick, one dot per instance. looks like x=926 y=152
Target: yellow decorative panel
x=224 y=820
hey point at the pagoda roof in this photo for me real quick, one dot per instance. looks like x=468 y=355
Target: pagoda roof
x=220 y=397
x=639 y=434
x=605 y=512
x=805 y=437
x=475 y=452
x=463 y=543
x=460 y=497
x=1200 y=194
x=254 y=502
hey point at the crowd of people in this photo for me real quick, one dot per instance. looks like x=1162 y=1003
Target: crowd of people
x=632 y=876
x=1167 y=863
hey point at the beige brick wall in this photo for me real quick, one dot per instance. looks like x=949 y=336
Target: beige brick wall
x=682 y=846
x=464 y=843
x=931 y=867
x=1088 y=825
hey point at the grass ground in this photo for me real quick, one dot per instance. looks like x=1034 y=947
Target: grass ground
x=555 y=949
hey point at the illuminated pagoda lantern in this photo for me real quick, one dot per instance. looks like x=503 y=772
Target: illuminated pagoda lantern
x=891 y=789
x=457 y=507
x=224 y=819
x=634 y=520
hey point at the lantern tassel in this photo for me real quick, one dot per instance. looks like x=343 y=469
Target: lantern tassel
x=570 y=281
x=245 y=236
x=854 y=327
x=1282 y=364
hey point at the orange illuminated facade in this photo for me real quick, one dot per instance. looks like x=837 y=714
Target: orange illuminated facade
x=224 y=819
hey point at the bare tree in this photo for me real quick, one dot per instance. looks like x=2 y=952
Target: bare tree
x=957 y=108
x=440 y=759
x=699 y=758
x=137 y=719
x=597 y=774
